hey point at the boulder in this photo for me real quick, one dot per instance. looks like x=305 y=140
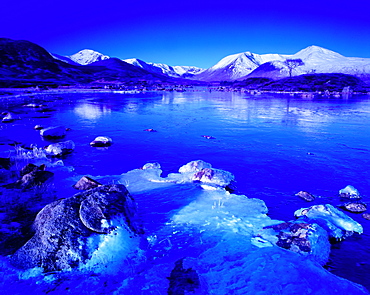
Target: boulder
x=60 y=149
x=349 y=192
x=101 y=141
x=354 y=207
x=65 y=230
x=53 y=132
x=305 y=196
x=86 y=183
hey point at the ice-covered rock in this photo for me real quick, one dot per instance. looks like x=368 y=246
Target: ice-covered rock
x=151 y=166
x=213 y=178
x=101 y=141
x=336 y=223
x=53 y=132
x=60 y=149
x=349 y=192
x=194 y=166
x=68 y=231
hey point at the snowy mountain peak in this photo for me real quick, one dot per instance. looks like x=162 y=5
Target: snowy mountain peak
x=313 y=51
x=87 y=56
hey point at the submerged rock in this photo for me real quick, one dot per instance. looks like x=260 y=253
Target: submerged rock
x=182 y=280
x=86 y=183
x=150 y=130
x=65 y=229
x=60 y=149
x=305 y=196
x=101 y=141
x=38 y=127
x=349 y=192
x=53 y=132
x=366 y=216
x=31 y=176
x=5 y=163
x=336 y=223
x=354 y=207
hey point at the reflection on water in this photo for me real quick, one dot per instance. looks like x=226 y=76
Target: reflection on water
x=91 y=111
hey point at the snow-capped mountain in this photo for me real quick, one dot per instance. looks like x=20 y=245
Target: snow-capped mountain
x=235 y=66
x=87 y=56
x=316 y=60
x=159 y=68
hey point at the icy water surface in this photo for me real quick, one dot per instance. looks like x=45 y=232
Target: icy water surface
x=275 y=145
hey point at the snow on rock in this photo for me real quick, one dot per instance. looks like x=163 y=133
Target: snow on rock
x=87 y=56
x=349 y=192
x=102 y=141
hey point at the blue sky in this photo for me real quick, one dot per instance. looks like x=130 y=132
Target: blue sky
x=190 y=32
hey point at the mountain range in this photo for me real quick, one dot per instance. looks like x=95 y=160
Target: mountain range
x=247 y=64
x=25 y=60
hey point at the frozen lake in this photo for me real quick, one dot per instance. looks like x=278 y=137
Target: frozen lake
x=275 y=145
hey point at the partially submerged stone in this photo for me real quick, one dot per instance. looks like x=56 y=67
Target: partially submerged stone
x=38 y=127
x=349 y=192
x=354 y=207
x=101 y=141
x=60 y=149
x=66 y=229
x=9 y=118
x=53 y=132
x=305 y=196
x=86 y=183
